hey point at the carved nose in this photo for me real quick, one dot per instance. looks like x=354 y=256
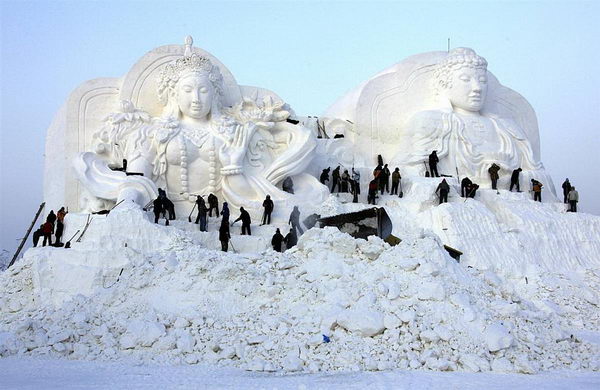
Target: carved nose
x=196 y=97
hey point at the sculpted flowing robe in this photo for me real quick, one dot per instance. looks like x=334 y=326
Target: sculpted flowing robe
x=186 y=162
x=445 y=131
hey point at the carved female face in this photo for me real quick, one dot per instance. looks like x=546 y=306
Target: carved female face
x=469 y=89
x=195 y=94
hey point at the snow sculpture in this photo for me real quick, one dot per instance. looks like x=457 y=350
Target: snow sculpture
x=197 y=145
x=447 y=102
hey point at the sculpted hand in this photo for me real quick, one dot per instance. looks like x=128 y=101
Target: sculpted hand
x=233 y=152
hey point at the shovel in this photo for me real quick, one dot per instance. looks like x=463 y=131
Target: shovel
x=191 y=212
x=68 y=244
x=401 y=192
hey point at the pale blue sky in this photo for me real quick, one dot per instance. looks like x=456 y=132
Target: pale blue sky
x=310 y=53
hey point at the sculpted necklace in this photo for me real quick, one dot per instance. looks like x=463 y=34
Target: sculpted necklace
x=198 y=138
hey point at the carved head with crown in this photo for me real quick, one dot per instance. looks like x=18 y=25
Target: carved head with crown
x=191 y=87
x=461 y=78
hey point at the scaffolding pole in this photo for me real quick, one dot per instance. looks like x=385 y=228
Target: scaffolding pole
x=37 y=215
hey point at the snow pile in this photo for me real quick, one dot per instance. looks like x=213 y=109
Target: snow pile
x=331 y=303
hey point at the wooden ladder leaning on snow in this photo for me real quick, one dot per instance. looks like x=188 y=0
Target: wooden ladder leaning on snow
x=37 y=215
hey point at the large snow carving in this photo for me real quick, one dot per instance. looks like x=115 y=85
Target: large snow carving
x=209 y=137
x=447 y=102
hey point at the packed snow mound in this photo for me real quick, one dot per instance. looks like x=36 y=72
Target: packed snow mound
x=331 y=303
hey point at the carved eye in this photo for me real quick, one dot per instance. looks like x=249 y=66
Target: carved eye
x=483 y=79
x=187 y=89
x=204 y=90
x=465 y=78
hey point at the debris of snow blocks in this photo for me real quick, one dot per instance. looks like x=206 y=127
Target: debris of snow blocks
x=141 y=333
x=497 y=337
x=365 y=322
x=433 y=291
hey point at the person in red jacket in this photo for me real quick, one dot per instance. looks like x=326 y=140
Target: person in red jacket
x=373 y=185
x=47 y=229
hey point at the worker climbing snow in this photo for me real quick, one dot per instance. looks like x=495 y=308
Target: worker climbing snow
x=277 y=240
x=442 y=190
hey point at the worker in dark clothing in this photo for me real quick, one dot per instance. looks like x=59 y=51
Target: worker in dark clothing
x=442 y=190
x=345 y=181
x=225 y=213
x=158 y=209
x=377 y=174
x=433 y=161
x=199 y=202
x=494 y=176
x=51 y=217
x=295 y=220
x=372 y=191
x=245 y=218
x=355 y=185
x=473 y=190
x=213 y=204
x=224 y=236
x=167 y=205
x=536 y=186
x=395 y=181
x=566 y=186
x=37 y=235
x=384 y=181
x=169 y=208
x=288 y=185
x=465 y=187
x=324 y=176
x=514 y=179
x=336 y=180
x=573 y=198
x=268 y=206
x=277 y=240
x=291 y=239
x=202 y=211
x=60 y=225
x=47 y=230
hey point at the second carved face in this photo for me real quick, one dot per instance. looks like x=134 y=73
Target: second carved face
x=469 y=89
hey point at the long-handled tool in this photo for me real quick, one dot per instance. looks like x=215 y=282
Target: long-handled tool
x=68 y=243
x=87 y=224
x=401 y=192
x=192 y=212
x=146 y=207
x=426 y=170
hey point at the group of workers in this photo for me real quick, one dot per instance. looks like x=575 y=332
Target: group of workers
x=164 y=207
x=570 y=195
x=468 y=188
x=345 y=182
x=382 y=174
x=54 y=225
